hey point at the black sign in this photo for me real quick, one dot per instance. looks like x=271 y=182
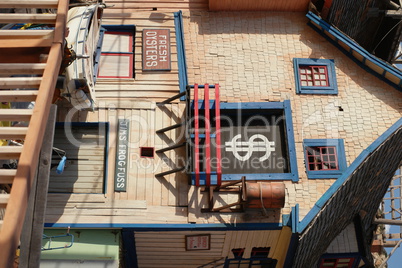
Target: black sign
x=253 y=149
x=120 y=174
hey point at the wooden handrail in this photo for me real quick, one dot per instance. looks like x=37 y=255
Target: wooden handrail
x=28 y=161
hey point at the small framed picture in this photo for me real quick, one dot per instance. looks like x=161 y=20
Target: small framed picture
x=198 y=242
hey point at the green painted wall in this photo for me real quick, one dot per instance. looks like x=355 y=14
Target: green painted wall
x=88 y=245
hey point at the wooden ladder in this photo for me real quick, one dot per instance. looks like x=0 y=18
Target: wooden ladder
x=21 y=68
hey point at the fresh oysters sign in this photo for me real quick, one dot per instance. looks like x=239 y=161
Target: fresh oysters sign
x=156 y=50
x=120 y=173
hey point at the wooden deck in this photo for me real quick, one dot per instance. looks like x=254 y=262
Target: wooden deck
x=14 y=45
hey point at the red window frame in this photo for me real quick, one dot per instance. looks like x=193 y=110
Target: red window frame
x=322 y=158
x=130 y=53
x=337 y=262
x=260 y=252
x=316 y=75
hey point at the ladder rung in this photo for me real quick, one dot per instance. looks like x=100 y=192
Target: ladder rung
x=25 y=42
x=22 y=68
x=15 y=114
x=4 y=200
x=15 y=133
x=19 y=82
x=7 y=176
x=18 y=95
x=23 y=34
x=27 y=18
x=28 y=4
x=10 y=152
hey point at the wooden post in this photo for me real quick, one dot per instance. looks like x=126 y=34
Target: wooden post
x=32 y=230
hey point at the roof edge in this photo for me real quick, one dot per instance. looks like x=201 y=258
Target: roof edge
x=365 y=59
x=312 y=214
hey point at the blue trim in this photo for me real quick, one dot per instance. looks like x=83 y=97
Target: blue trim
x=129 y=249
x=181 y=52
x=293 y=175
x=325 y=29
x=172 y=227
x=119 y=28
x=332 y=88
x=291 y=141
x=340 y=151
x=346 y=174
x=243 y=105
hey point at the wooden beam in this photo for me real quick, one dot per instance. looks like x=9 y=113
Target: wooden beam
x=17 y=133
x=10 y=152
x=15 y=114
x=18 y=95
x=28 y=18
x=28 y=43
x=28 y=4
x=26 y=34
x=31 y=237
x=19 y=82
x=18 y=202
x=7 y=176
x=22 y=68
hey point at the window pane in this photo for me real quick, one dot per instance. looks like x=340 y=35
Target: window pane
x=117 y=42
x=115 y=65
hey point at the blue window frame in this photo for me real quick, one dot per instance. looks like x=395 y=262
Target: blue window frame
x=284 y=119
x=324 y=158
x=315 y=76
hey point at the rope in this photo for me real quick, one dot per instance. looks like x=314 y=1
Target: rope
x=262 y=203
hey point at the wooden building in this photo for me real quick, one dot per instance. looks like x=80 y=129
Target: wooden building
x=224 y=134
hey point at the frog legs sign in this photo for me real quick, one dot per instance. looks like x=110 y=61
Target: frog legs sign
x=120 y=173
x=156 y=50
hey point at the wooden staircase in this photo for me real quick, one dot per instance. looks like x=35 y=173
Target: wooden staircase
x=30 y=62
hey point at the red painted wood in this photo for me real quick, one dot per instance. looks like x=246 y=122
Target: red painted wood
x=207 y=135
x=196 y=137
x=218 y=135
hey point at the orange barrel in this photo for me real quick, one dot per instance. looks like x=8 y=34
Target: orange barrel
x=265 y=194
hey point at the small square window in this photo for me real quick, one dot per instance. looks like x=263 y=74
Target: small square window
x=147 y=151
x=324 y=158
x=315 y=76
